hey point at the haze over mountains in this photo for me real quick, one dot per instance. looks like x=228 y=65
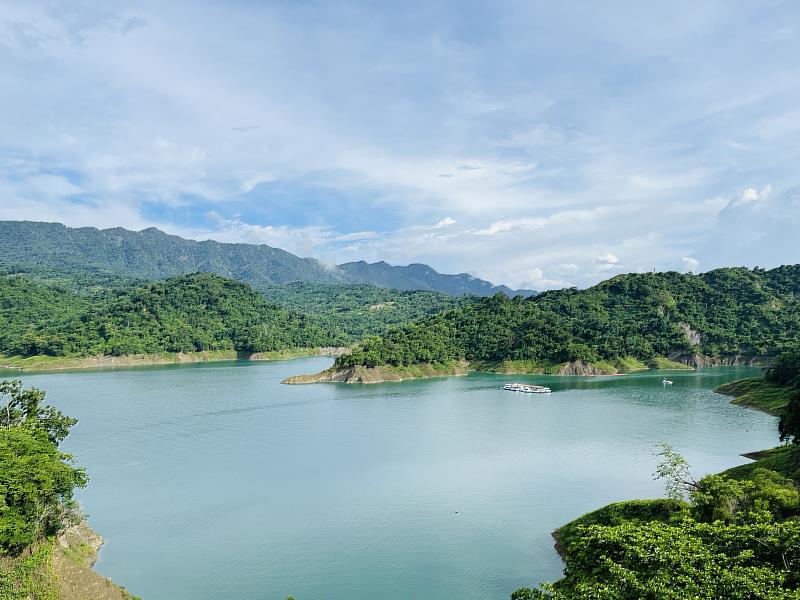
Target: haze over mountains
x=153 y=254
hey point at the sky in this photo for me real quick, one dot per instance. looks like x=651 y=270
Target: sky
x=534 y=144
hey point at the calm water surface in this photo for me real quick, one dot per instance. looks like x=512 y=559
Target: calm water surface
x=214 y=481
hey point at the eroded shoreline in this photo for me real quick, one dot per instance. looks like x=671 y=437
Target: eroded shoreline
x=59 y=363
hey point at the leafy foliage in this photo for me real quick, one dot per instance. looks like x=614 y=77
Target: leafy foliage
x=737 y=539
x=183 y=314
x=789 y=425
x=36 y=479
x=631 y=561
x=360 y=310
x=25 y=407
x=766 y=496
x=675 y=470
x=629 y=511
x=786 y=372
x=727 y=312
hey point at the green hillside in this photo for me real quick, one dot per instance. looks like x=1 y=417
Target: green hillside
x=190 y=313
x=147 y=254
x=361 y=310
x=726 y=313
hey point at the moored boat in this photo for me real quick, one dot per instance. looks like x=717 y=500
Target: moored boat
x=526 y=388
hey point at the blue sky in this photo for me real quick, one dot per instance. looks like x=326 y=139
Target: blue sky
x=535 y=144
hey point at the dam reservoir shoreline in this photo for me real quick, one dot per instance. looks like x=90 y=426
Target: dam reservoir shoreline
x=213 y=480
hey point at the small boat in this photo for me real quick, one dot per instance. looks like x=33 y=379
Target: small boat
x=666 y=381
x=526 y=388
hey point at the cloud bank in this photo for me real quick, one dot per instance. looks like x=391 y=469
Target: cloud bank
x=537 y=145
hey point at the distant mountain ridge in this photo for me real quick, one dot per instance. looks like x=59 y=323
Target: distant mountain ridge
x=153 y=254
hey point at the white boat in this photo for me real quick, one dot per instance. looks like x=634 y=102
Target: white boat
x=526 y=388
x=666 y=381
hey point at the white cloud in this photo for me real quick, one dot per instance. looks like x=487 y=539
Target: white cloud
x=756 y=228
x=302 y=241
x=51 y=186
x=691 y=264
x=356 y=236
x=606 y=259
x=750 y=196
x=535 y=274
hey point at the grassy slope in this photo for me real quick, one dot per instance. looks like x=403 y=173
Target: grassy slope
x=757 y=393
x=665 y=364
x=30 y=575
x=783 y=459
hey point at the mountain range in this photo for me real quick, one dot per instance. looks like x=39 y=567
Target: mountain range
x=153 y=254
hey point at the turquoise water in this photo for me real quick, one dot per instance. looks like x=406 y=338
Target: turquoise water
x=214 y=481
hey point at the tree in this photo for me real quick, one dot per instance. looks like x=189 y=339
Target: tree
x=789 y=425
x=786 y=370
x=37 y=480
x=675 y=470
x=765 y=496
x=36 y=486
x=25 y=407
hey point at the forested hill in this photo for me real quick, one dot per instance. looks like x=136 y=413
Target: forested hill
x=361 y=310
x=188 y=313
x=727 y=313
x=152 y=254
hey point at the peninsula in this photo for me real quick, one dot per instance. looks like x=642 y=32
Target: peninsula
x=732 y=316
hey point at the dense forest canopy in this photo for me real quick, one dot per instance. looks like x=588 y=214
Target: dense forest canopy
x=183 y=314
x=361 y=310
x=723 y=313
x=726 y=312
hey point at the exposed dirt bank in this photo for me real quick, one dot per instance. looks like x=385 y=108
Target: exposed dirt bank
x=59 y=568
x=58 y=363
x=74 y=555
x=704 y=362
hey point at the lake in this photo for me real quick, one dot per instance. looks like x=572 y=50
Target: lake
x=212 y=481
